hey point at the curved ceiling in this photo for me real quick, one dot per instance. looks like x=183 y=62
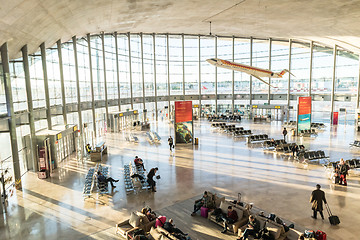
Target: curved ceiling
x=35 y=21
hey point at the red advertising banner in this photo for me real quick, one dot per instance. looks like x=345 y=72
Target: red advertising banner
x=183 y=111
x=335 y=118
x=304 y=105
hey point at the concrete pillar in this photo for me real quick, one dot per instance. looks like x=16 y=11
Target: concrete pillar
x=10 y=114
x=46 y=85
x=333 y=84
x=131 y=88
x=91 y=85
x=117 y=69
x=62 y=81
x=33 y=146
x=154 y=54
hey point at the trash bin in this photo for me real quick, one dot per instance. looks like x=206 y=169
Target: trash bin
x=196 y=141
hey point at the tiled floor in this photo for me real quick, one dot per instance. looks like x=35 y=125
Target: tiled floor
x=54 y=208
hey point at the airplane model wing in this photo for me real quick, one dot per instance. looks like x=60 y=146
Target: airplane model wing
x=262 y=80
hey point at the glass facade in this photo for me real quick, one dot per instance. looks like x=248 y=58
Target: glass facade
x=159 y=65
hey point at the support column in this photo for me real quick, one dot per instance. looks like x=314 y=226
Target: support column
x=105 y=83
x=46 y=85
x=142 y=69
x=183 y=64
x=251 y=57
x=200 y=107
x=311 y=64
x=63 y=99
x=154 y=54
x=117 y=69
x=33 y=147
x=358 y=92
x=269 y=88
x=130 y=72
x=168 y=69
x=216 y=94
x=289 y=77
x=10 y=114
x=233 y=77
x=91 y=85
x=78 y=91
x=333 y=84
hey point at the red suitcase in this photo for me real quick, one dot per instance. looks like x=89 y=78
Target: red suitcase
x=320 y=235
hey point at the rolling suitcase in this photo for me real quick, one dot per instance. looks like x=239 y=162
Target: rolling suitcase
x=334 y=220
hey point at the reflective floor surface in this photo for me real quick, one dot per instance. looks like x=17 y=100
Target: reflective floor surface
x=55 y=209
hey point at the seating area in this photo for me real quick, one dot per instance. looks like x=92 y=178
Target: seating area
x=153 y=137
x=225 y=118
x=135 y=179
x=242 y=133
x=272 y=144
x=289 y=124
x=132 y=138
x=356 y=143
x=137 y=221
x=308 y=133
x=292 y=124
x=257 y=138
x=285 y=147
x=91 y=181
x=315 y=156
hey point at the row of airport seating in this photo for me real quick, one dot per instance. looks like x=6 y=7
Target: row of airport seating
x=285 y=147
x=314 y=155
x=135 y=178
x=153 y=137
x=226 y=118
x=292 y=124
x=132 y=138
x=231 y=128
x=356 y=143
x=308 y=133
x=317 y=125
x=257 y=138
x=241 y=133
x=271 y=144
x=91 y=181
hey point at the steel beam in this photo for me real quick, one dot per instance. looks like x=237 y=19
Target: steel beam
x=142 y=69
x=117 y=69
x=46 y=85
x=74 y=40
x=154 y=55
x=333 y=84
x=33 y=148
x=269 y=88
x=130 y=72
x=10 y=114
x=289 y=77
x=251 y=58
x=233 y=78
x=311 y=64
x=61 y=68
x=216 y=92
x=105 y=82
x=88 y=37
x=168 y=70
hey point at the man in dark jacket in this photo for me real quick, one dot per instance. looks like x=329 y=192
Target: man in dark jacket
x=230 y=218
x=171 y=142
x=170 y=227
x=342 y=171
x=150 y=178
x=284 y=133
x=317 y=197
x=252 y=229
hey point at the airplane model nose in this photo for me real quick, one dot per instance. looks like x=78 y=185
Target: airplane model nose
x=212 y=61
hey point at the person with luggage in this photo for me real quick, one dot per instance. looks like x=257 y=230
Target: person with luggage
x=139 y=162
x=171 y=143
x=342 y=171
x=252 y=229
x=284 y=133
x=295 y=149
x=317 y=198
x=202 y=202
x=150 y=178
x=230 y=218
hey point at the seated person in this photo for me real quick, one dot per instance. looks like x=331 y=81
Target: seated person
x=301 y=237
x=170 y=227
x=253 y=228
x=88 y=148
x=230 y=218
x=149 y=214
x=139 y=162
x=202 y=202
x=102 y=179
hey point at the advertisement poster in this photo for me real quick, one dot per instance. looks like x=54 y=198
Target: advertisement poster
x=335 y=118
x=304 y=114
x=183 y=122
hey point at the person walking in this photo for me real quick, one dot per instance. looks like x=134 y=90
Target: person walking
x=150 y=178
x=284 y=133
x=317 y=198
x=171 y=143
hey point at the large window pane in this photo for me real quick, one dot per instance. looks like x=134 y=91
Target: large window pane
x=207 y=50
x=191 y=64
x=175 y=64
x=224 y=76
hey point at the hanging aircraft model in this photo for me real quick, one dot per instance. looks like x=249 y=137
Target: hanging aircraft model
x=253 y=71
